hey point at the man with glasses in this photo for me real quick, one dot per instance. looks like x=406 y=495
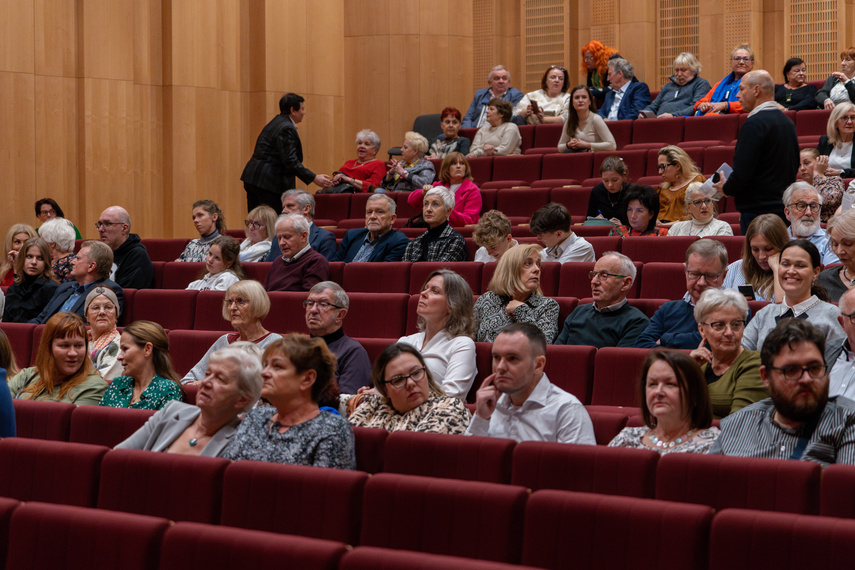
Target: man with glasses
x=723 y=97
x=799 y=421
x=517 y=401
x=299 y=267
x=842 y=378
x=610 y=320
x=626 y=98
x=673 y=324
x=802 y=204
x=301 y=202
x=326 y=308
x=132 y=267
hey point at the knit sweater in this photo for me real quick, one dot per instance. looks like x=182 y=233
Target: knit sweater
x=585 y=325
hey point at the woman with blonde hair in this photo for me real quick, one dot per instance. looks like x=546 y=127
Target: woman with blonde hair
x=34 y=284
x=514 y=296
x=15 y=238
x=837 y=143
x=413 y=171
x=260 y=231
x=765 y=237
x=841 y=240
x=678 y=170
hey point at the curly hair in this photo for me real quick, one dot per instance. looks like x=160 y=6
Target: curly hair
x=601 y=53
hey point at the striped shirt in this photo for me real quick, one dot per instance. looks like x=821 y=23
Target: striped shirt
x=751 y=432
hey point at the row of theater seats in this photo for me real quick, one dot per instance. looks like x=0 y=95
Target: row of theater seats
x=695 y=520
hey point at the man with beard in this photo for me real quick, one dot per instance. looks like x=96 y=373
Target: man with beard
x=799 y=421
x=802 y=204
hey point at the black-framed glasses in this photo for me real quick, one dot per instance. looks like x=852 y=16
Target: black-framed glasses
x=322 y=305
x=696 y=275
x=850 y=316
x=802 y=206
x=719 y=326
x=50 y=212
x=254 y=224
x=603 y=275
x=702 y=202
x=399 y=382
x=794 y=372
x=99 y=224
x=662 y=167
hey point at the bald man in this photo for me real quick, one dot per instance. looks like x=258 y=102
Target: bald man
x=767 y=152
x=132 y=268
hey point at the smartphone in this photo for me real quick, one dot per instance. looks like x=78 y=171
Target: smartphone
x=534 y=107
x=747 y=291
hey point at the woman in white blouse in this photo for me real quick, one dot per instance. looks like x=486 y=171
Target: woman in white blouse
x=260 y=230
x=446 y=324
x=549 y=104
x=584 y=130
x=703 y=222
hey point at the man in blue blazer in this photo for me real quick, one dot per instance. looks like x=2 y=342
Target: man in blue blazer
x=321 y=240
x=90 y=269
x=377 y=241
x=626 y=97
x=499 y=82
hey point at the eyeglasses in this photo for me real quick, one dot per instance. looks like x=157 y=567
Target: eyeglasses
x=699 y=203
x=322 y=305
x=802 y=206
x=99 y=224
x=603 y=275
x=719 y=326
x=558 y=67
x=50 y=212
x=794 y=372
x=847 y=119
x=662 y=167
x=850 y=316
x=399 y=382
x=254 y=224
x=742 y=59
x=239 y=301
x=696 y=275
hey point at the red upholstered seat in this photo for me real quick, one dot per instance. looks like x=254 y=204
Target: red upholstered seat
x=373 y=558
x=592 y=231
x=484 y=459
x=7 y=507
x=187 y=347
x=667 y=129
x=616 y=373
x=83 y=538
x=370 y=448
x=574 y=281
x=648 y=250
x=622 y=132
x=613 y=533
x=332 y=206
x=128 y=295
x=571 y=368
x=521 y=202
x=576 y=165
x=329 y=501
x=173 y=309
x=20 y=337
x=469 y=270
x=517 y=167
x=604 y=244
x=482 y=169
x=43 y=420
x=50 y=471
x=190 y=545
x=733 y=244
x=812 y=122
x=715 y=156
x=607 y=425
x=178 y=275
x=379 y=277
x=838 y=491
x=178 y=487
x=375 y=315
x=257 y=270
x=403 y=209
x=663 y=280
x=575 y=199
x=357 y=205
x=722 y=127
x=547 y=135
x=286 y=313
x=746 y=540
x=351 y=223
x=566 y=305
x=164 y=249
x=102 y=425
x=587 y=468
x=739 y=482
x=209 y=312
x=458 y=518
x=635 y=160
x=527 y=136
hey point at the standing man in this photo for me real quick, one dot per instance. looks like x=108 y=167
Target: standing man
x=767 y=152
x=278 y=158
x=377 y=241
x=301 y=202
x=499 y=81
x=132 y=268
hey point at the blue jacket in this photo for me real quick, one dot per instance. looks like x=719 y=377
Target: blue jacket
x=482 y=97
x=673 y=325
x=390 y=247
x=321 y=240
x=65 y=291
x=636 y=98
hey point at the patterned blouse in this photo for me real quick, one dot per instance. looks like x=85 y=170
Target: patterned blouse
x=831 y=190
x=626 y=231
x=323 y=441
x=439 y=414
x=197 y=249
x=492 y=316
x=631 y=437
x=62 y=267
x=154 y=397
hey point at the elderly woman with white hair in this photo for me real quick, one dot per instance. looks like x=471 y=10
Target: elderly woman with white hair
x=703 y=222
x=841 y=240
x=837 y=143
x=440 y=242
x=732 y=372
x=677 y=98
x=413 y=171
x=59 y=235
x=362 y=172
x=231 y=386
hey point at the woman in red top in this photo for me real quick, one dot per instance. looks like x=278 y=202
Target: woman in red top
x=642 y=206
x=366 y=169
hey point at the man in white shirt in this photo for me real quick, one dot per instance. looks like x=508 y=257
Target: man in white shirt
x=551 y=225
x=842 y=377
x=519 y=402
x=802 y=204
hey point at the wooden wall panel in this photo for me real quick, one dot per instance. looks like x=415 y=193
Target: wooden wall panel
x=17 y=158
x=55 y=37
x=107 y=34
x=150 y=207
x=194 y=47
x=288 y=44
x=369 y=90
x=17 y=29
x=148 y=42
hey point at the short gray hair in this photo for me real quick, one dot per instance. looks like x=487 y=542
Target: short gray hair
x=368 y=134
x=303 y=199
x=59 y=232
x=623 y=66
x=714 y=299
x=627 y=267
x=708 y=248
x=800 y=185
x=339 y=294
x=300 y=223
x=848 y=299
x=498 y=68
x=248 y=374
x=689 y=61
x=393 y=206
x=445 y=195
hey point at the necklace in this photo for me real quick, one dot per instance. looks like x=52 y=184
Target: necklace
x=846 y=276
x=670 y=444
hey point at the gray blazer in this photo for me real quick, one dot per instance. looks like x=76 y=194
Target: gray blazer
x=168 y=423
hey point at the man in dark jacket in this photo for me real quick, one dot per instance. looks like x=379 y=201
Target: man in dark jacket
x=377 y=241
x=132 y=268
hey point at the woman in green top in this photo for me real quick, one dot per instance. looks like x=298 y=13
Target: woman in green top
x=63 y=371
x=731 y=371
x=148 y=380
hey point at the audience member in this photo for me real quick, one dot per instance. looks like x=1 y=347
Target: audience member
x=456 y=175
x=47 y=209
x=595 y=64
x=210 y=222
x=584 y=130
x=812 y=168
x=7 y=358
x=732 y=373
x=499 y=136
x=101 y=312
x=799 y=421
x=835 y=280
x=642 y=207
x=499 y=82
x=795 y=93
x=678 y=170
x=377 y=241
x=673 y=324
x=413 y=171
x=132 y=268
x=551 y=225
x=549 y=103
x=402 y=405
x=493 y=236
x=34 y=284
x=610 y=320
x=260 y=226
x=626 y=98
x=440 y=242
x=450 y=140
x=15 y=238
x=222 y=266
x=837 y=143
x=724 y=96
x=364 y=172
x=843 y=370
x=522 y=400
x=59 y=235
x=514 y=296
x=301 y=202
x=839 y=87
x=231 y=386
x=702 y=220
x=298 y=372
x=326 y=307
x=63 y=371
x=446 y=324
x=677 y=98
x=608 y=198
x=299 y=267
x=802 y=204
x=764 y=240
x=675 y=407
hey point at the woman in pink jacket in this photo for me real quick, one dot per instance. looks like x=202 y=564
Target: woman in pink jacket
x=455 y=175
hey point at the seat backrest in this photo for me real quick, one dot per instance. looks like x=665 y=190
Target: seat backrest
x=333 y=206
x=469 y=270
x=616 y=373
x=812 y=122
x=521 y=202
x=370 y=446
x=667 y=130
x=20 y=337
x=178 y=274
x=602 y=244
x=715 y=156
x=255 y=494
x=667 y=249
x=571 y=368
x=102 y=425
x=164 y=249
x=377 y=277
x=838 y=491
x=517 y=167
x=574 y=199
x=7 y=507
x=429 y=126
x=43 y=420
x=663 y=280
x=372 y=558
x=482 y=169
x=377 y=315
x=711 y=127
x=439 y=455
x=187 y=347
x=607 y=425
x=578 y=165
x=172 y=308
x=209 y=312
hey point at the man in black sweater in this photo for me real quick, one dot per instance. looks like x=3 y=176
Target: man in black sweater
x=132 y=267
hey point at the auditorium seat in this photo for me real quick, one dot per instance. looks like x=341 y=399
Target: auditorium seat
x=622 y=132
x=613 y=533
x=193 y=546
x=812 y=122
x=351 y=223
x=575 y=199
x=663 y=280
x=481 y=167
x=59 y=536
x=616 y=373
x=332 y=206
x=667 y=130
x=373 y=558
x=20 y=337
x=377 y=277
x=324 y=503
x=571 y=368
x=403 y=209
x=178 y=487
x=838 y=491
x=604 y=244
x=370 y=448
x=50 y=471
x=577 y=165
x=164 y=249
x=103 y=425
x=720 y=127
x=599 y=230
x=715 y=156
x=187 y=347
x=443 y=516
x=171 y=308
x=469 y=270
x=547 y=135
x=739 y=482
x=178 y=274
x=574 y=280
x=37 y=419
x=209 y=312
x=128 y=296
x=7 y=507
x=566 y=305
x=733 y=244
x=374 y=315
x=585 y=468
x=488 y=199
x=485 y=459
x=665 y=249
x=521 y=202
x=607 y=425
x=516 y=167
x=257 y=270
